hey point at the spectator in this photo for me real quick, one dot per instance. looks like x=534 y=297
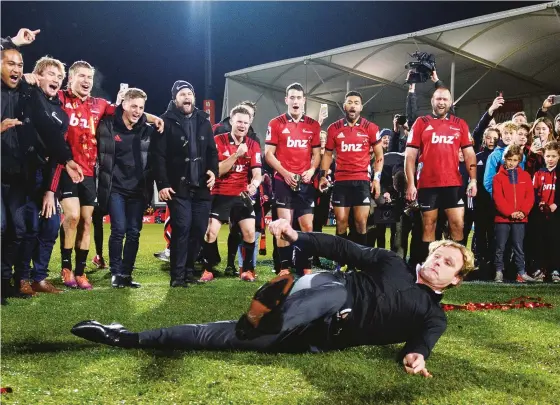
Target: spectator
x=543 y=112
x=541 y=133
x=546 y=183
x=514 y=198
x=495 y=160
x=484 y=206
x=519 y=118
x=479 y=133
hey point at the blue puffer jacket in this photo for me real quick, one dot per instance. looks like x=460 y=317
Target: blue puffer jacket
x=493 y=164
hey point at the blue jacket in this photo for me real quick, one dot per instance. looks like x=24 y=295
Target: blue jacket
x=493 y=163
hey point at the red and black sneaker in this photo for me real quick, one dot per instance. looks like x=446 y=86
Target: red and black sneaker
x=263 y=316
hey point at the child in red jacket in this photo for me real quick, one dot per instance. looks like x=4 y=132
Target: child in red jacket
x=514 y=197
x=547 y=184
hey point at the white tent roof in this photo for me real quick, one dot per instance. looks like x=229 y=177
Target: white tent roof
x=517 y=51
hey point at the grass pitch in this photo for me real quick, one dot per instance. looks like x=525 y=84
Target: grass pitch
x=485 y=357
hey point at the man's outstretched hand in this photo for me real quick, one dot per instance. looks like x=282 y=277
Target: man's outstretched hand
x=414 y=364
x=282 y=229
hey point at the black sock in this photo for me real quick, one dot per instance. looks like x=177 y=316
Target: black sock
x=81 y=257
x=209 y=255
x=62 y=236
x=248 y=251
x=360 y=238
x=66 y=256
x=285 y=254
x=233 y=241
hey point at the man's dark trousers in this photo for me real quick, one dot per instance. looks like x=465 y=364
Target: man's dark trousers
x=37 y=244
x=13 y=199
x=189 y=220
x=126 y=213
x=307 y=324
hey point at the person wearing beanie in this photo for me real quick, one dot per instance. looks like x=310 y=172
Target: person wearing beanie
x=185 y=168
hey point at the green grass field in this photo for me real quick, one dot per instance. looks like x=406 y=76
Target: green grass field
x=485 y=357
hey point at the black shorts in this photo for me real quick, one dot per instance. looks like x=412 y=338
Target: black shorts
x=230 y=208
x=85 y=190
x=433 y=198
x=351 y=193
x=302 y=201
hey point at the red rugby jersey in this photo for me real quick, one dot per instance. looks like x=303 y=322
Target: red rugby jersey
x=439 y=141
x=235 y=181
x=545 y=182
x=352 y=145
x=84 y=118
x=294 y=141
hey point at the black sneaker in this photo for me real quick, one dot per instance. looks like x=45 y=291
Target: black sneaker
x=179 y=283
x=263 y=316
x=231 y=271
x=124 y=281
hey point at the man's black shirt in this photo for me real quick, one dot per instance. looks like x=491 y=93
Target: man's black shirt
x=388 y=306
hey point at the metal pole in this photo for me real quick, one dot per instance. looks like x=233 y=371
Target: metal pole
x=452 y=89
x=208 y=37
x=348 y=84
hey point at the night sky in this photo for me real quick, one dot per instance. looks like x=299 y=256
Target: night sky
x=152 y=44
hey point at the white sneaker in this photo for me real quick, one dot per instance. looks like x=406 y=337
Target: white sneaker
x=539 y=276
x=555 y=276
x=499 y=278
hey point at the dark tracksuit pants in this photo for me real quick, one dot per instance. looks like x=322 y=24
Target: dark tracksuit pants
x=37 y=244
x=189 y=220
x=548 y=241
x=307 y=315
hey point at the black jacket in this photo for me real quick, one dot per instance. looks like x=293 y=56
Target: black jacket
x=108 y=128
x=44 y=126
x=12 y=156
x=172 y=160
x=388 y=306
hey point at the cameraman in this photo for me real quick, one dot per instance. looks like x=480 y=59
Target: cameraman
x=402 y=124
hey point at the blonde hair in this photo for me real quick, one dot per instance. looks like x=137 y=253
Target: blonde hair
x=80 y=64
x=468 y=256
x=133 y=93
x=510 y=125
x=47 y=61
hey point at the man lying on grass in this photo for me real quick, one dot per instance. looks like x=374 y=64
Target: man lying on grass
x=383 y=303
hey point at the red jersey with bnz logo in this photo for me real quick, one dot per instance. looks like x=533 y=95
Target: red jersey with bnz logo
x=439 y=141
x=545 y=182
x=352 y=145
x=235 y=181
x=84 y=117
x=294 y=141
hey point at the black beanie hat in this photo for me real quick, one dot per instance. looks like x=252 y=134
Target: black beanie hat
x=180 y=85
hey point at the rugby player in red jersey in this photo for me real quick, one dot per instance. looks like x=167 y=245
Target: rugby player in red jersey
x=352 y=138
x=238 y=155
x=293 y=150
x=437 y=138
x=78 y=200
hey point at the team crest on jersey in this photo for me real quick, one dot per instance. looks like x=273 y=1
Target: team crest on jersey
x=286 y=131
x=341 y=135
